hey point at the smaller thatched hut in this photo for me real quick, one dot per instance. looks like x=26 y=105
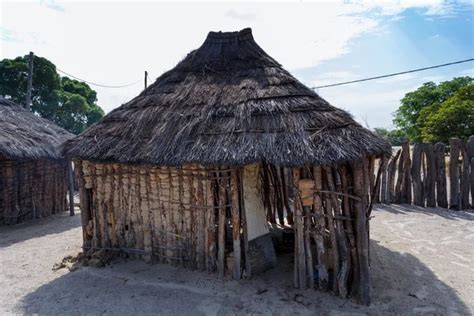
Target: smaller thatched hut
x=33 y=174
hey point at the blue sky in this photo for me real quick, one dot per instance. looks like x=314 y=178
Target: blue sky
x=320 y=42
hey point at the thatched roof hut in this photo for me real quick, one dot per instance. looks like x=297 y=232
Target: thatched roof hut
x=33 y=180
x=191 y=170
x=227 y=102
x=24 y=135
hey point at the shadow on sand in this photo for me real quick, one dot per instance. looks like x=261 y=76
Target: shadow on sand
x=402 y=285
x=53 y=224
x=404 y=209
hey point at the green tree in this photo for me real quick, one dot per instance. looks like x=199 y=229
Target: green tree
x=14 y=77
x=396 y=137
x=452 y=118
x=417 y=105
x=68 y=102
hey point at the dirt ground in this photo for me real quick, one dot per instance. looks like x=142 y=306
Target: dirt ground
x=421 y=265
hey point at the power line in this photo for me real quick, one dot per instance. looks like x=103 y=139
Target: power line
x=394 y=74
x=97 y=84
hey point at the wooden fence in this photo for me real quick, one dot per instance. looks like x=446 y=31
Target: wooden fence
x=432 y=175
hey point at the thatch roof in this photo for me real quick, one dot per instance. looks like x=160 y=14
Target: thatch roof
x=227 y=103
x=23 y=135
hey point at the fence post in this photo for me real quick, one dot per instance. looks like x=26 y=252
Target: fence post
x=470 y=154
x=392 y=170
x=455 y=144
x=429 y=183
x=441 y=191
x=464 y=184
x=418 y=196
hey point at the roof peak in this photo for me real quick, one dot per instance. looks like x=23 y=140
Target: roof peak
x=244 y=34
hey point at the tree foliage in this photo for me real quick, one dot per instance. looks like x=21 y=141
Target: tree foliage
x=396 y=137
x=452 y=118
x=417 y=105
x=68 y=102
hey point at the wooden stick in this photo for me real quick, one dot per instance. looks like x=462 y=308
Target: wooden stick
x=464 y=183
x=319 y=231
x=418 y=196
x=236 y=224
x=441 y=191
x=406 y=183
x=470 y=154
x=300 y=251
x=392 y=170
x=454 y=187
x=429 y=183
x=221 y=228
x=362 y=241
x=334 y=251
x=347 y=210
x=343 y=253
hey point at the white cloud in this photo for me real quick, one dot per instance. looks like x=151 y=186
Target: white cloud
x=375 y=101
x=113 y=42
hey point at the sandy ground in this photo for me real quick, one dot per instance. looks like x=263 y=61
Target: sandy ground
x=421 y=265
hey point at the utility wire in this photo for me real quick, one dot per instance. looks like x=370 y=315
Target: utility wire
x=394 y=74
x=96 y=84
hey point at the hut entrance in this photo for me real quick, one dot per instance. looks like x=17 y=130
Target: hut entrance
x=320 y=214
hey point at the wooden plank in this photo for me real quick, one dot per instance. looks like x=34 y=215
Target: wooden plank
x=454 y=187
x=441 y=190
x=236 y=224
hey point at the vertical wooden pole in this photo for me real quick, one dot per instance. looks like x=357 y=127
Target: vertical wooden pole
x=418 y=197
x=406 y=184
x=342 y=250
x=470 y=154
x=248 y=272
x=464 y=183
x=70 y=182
x=360 y=190
x=221 y=224
x=300 y=256
x=146 y=79
x=441 y=191
x=429 y=183
x=454 y=196
x=392 y=170
x=30 y=82
x=320 y=230
x=236 y=223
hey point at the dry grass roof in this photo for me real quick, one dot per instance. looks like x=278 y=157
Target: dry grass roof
x=227 y=103
x=23 y=135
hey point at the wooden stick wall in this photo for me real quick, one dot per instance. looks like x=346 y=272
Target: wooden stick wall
x=331 y=229
x=189 y=216
x=195 y=217
x=422 y=178
x=31 y=189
